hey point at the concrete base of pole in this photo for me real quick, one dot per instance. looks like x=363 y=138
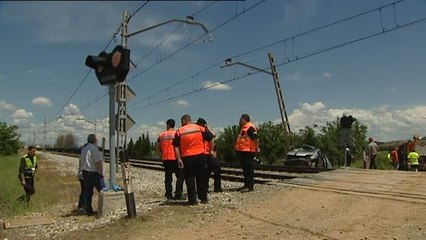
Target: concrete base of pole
x=131 y=205
x=110 y=202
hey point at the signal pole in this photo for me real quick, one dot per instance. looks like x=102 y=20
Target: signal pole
x=125 y=122
x=111 y=92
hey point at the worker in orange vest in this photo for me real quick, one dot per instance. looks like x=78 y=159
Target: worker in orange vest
x=190 y=154
x=213 y=164
x=246 y=146
x=164 y=145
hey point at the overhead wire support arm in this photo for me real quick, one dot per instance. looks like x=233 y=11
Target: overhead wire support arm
x=228 y=63
x=189 y=20
x=280 y=97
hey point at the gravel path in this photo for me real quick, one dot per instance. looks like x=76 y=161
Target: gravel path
x=148 y=186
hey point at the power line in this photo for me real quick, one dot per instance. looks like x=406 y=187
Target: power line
x=292 y=38
x=113 y=38
x=298 y=58
x=195 y=40
x=173 y=32
x=179 y=50
x=137 y=10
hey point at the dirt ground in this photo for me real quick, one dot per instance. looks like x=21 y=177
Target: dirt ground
x=343 y=204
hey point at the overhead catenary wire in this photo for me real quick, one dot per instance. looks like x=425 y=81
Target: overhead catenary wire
x=288 y=61
x=105 y=93
x=292 y=39
x=196 y=39
x=113 y=38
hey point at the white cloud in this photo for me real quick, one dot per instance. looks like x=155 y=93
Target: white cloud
x=180 y=103
x=42 y=101
x=172 y=43
x=71 y=109
x=216 y=86
x=21 y=114
x=327 y=75
x=312 y=108
x=38 y=72
x=294 y=77
x=296 y=12
x=7 y=106
x=153 y=131
x=384 y=124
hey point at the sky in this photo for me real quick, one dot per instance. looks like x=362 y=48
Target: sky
x=370 y=66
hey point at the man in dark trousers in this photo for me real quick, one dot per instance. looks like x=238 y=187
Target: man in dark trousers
x=27 y=170
x=92 y=167
x=164 y=144
x=246 y=146
x=213 y=164
x=190 y=155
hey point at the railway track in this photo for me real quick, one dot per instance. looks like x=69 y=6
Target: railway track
x=390 y=185
x=230 y=171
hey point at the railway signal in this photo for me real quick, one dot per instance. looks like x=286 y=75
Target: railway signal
x=110 y=68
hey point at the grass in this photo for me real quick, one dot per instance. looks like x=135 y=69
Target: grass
x=382 y=162
x=52 y=188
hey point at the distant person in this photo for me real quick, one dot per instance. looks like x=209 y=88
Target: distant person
x=212 y=161
x=27 y=170
x=189 y=150
x=373 y=149
x=164 y=144
x=395 y=158
x=413 y=160
x=246 y=146
x=92 y=167
x=348 y=156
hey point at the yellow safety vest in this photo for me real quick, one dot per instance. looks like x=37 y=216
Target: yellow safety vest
x=414 y=158
x=29 y=166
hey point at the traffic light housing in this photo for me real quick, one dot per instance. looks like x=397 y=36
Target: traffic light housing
x=346 y=121
x=110 y=68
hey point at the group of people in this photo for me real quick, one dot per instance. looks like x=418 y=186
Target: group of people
x=412 y=159
x=90 y=174
x=393 y=157
x=190 y=153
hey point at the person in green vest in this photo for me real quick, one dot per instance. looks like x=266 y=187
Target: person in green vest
x=413 y=159
x=27 y=170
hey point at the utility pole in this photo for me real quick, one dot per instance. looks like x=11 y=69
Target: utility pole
x=122 y=127
x=111 y=92
x=280 y=97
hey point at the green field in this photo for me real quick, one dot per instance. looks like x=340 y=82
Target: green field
x=51 y=187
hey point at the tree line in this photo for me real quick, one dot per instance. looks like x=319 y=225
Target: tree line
x=274 y=141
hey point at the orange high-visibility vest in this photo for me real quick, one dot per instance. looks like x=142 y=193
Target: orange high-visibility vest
x=244 y=143
x=207 y=147
x=191 y=140
x=167 y=150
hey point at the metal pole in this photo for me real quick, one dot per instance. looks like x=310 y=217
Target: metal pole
x=122 y=132
x=96 y=132
x=280 y=98
x=111 y=92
